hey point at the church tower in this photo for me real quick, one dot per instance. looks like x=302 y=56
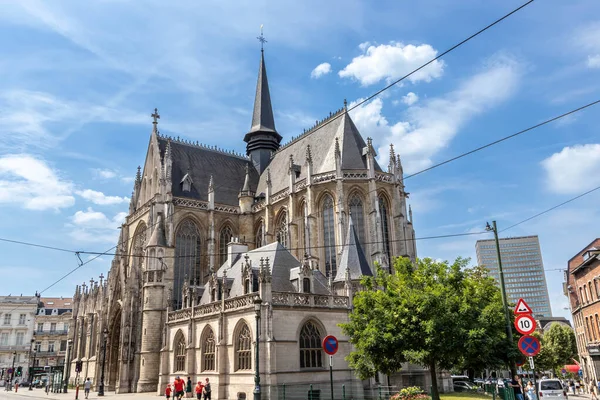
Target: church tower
x=263 y=138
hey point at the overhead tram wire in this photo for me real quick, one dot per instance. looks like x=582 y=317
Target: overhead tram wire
x=36 y=245
x=485 y=146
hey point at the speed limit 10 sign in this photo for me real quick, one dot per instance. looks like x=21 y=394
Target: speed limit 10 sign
x=525 y=324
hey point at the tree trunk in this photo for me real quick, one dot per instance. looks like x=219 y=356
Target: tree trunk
x=435 y=394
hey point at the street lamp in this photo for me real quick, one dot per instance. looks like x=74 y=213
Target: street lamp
x=101 y=387
x=31 y=351
x=494 y=229
x=67 y=371
x=257 y=305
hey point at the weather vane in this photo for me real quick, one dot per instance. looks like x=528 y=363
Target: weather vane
x=261 y=38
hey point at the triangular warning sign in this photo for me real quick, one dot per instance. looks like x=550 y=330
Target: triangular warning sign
x=522 y=307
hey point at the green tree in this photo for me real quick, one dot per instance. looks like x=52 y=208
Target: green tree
x=431 y=313
x=558 y=347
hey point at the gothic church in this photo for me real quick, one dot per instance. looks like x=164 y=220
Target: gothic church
x=221 y=252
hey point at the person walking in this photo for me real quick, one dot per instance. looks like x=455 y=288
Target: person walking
x=530 y=391
x=168 y=391
x=199 y=390
x=516 y=385
x=179 y=386
x=207 y=390
x=188 y=388
x=593 y=389
x=87 y=386
x=572 y=385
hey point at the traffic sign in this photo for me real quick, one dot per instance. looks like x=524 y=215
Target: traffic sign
x=531 y=364
x=563 y=371
x=330 y=345
x=525 y=324
x=522 y=307
x=580 y=372
x=521 y=362
x=529 y=346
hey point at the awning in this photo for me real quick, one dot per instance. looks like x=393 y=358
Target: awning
x=572 y=368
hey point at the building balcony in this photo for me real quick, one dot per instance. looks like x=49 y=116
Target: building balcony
x=39 y=354
x=14 y=348
x=51 y=333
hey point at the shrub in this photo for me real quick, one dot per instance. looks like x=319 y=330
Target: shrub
x=410 y=393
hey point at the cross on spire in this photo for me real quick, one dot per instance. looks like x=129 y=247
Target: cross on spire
x=261 y=38
x=156 y=116
x=101 y=278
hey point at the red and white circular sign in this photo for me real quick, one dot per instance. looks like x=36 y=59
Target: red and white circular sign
x=525 y=324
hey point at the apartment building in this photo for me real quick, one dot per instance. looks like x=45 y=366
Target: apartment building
x=52 y=321
x=17 y=318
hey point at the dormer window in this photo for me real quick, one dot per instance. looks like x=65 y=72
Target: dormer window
x=306 y=285
x=54 y=311
x=41 y=311
x=186 y=182
x=247 y=286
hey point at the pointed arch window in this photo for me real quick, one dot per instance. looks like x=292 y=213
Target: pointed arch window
x=258 y=238
x=224 y=238
x=282 y=229
x=311 y=353
x=329 y=236
x=208 y=351
x=179 y=352
x=306 y=285
x=385 y=228
x=358 y=216
x=243 y=349
x=187 y=259
x=139 y=242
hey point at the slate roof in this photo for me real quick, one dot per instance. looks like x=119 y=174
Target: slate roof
x=352 y=258
x=321 y=140
x=228 y=170
x=281 y=261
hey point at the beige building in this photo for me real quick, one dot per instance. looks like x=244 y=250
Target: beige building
x=177 y=251
x=52 y=321
x=17 y=315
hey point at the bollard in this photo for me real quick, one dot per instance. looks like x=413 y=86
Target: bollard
x=343 y=392
x=284 y=391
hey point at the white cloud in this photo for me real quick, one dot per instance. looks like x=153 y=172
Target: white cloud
x=594 y=61
x=95 y=226
x=430 y=126
x=100 y=198
x=104 y=173
x=410 y=99
x=573 y=169
x=392 y=61
x=320 y=70
x=29 y=182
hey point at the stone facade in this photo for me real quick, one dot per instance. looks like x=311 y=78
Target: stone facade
x=17 y=315
x=52 y=321
x=190 y=201
x=583 y=290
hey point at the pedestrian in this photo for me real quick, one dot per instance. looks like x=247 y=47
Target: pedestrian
x=577 y=387
x=516 y=385
x=87 y=386
x=168 y=391
x=593 y=389
x=179 y=386
x=207 y=390
x=572 y=385
x=199 y=390
x=188 y=388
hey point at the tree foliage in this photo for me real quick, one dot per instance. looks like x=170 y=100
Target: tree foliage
x=558 y=348
x=431 y=313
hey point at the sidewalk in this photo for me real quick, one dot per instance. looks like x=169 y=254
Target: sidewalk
x=24 y=393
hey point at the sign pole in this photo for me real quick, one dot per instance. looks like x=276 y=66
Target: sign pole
x=533 y=372
x=331 y=374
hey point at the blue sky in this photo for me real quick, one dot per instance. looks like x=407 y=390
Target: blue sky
x=80 y=79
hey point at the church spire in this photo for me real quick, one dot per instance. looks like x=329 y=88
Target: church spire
x=263 y=138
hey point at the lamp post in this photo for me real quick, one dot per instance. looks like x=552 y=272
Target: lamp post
x=494 y=228
x=31 y=364
x=12 y=373
x=67 y=371
x=257 y=305
x=101 y=387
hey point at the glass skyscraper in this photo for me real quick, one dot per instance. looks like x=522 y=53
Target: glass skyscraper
x=523 y=269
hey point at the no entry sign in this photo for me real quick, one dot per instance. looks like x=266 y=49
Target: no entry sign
x=525 y=324
x=330 y=345
x=529 y=346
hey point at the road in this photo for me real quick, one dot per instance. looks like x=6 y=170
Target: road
x=24 y=394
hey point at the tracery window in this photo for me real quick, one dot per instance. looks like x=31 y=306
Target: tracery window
x=224 y=238
x=311 y=353
x=187 y=259
x=358 y=216
x=306 y=285
x=383 y=211
x=243 y=349
x=329 y=237
x=139 y=242
x=258 y=238
x=179 y=347
x=282 y=229
x=208 y=351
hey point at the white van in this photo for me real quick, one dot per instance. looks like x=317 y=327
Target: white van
x=552 y=389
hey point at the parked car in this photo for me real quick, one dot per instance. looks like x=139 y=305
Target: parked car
x=461 y=386
x=552 y=388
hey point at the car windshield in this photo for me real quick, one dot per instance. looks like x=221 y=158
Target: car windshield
x=550 y=385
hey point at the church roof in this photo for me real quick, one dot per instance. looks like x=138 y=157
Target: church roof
x=321 y=140
x=262 y=117
x=200 y=162
x=352 y=258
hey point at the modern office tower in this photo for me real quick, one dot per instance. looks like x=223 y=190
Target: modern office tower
x=523 y=270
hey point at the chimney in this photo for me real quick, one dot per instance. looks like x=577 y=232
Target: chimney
x=235 y=248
